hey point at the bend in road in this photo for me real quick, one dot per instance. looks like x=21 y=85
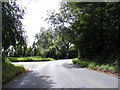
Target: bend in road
x=62 y=74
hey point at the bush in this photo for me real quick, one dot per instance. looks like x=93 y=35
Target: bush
x=80 y=62
x=9 y=70
x=27 y=59
x=75 y=61
x=95 y=65
x=92 y=65
x=112 y=69
x=104 y=67
x=83 y=64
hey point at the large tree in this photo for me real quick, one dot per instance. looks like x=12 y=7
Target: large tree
x=49 y=43
x=92 y=27
x=12 y=31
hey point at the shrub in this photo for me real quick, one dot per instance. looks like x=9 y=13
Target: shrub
x=91 y=65
x=112 y=69
x=75 y=61
x=95 y=65
x=80 y=62
x=27 y=59
x=105 y=67
x=9 y=70
x=83 y=64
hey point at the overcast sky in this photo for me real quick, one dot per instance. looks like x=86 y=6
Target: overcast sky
x=36 y=12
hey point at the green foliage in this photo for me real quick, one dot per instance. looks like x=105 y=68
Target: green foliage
x=92 y=65
x=27 y=59
x=81 y=63
x=50 y=44
x=12 y=31
x=104 y=67
x=114 y=69
x=9 y=70
x=75 y=61
x=95 y=65
x=93 y=28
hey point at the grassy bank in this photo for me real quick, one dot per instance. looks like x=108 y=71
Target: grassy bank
x=26 y=59
x=10 y=70
x=95 y=66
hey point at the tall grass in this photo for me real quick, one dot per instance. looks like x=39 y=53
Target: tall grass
x=95 y=65
x=9 y=70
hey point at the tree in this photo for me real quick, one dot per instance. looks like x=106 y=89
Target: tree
x=93 y=28
x=12 y=31
x=50 y=44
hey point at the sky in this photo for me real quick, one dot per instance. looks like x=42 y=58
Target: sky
x=35 y=15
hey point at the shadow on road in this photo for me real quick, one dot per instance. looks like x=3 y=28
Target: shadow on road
x=33 y=80
x=70 y=65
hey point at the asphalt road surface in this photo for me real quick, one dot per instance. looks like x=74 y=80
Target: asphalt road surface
x=62 y=74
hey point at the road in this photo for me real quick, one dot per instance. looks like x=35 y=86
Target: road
x=62 y=74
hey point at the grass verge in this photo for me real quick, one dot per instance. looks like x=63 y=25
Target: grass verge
x=95 y=66
x=27 y=59
x=9 y=70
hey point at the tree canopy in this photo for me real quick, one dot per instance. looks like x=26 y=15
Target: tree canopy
x=93 y=28
x=49 y=43
x=12 y=31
